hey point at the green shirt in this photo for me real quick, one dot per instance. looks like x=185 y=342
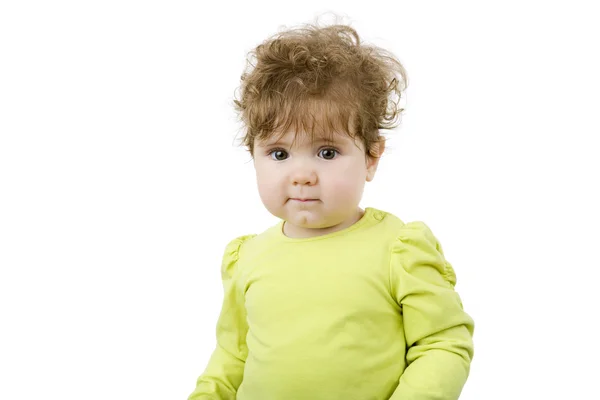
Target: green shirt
x=366 y=313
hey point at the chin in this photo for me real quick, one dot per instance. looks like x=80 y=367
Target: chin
x=309 y=222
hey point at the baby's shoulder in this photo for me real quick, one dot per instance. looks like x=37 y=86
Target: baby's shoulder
x=231 y=256
x=397 y=230
x=246 y=245
x=235 y=245
x=413 y=244
x=394 y=226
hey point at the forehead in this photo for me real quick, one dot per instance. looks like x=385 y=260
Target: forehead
x=308 y=119
x=291 y=138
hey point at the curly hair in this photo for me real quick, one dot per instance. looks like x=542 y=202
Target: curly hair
x=321 y=79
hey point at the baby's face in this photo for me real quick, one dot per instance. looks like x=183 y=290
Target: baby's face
x=314 y=186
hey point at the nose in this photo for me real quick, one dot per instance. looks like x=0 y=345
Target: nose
x=303 y=174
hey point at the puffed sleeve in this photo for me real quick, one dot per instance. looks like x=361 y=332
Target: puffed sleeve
x=438 y=331
x=223 y=374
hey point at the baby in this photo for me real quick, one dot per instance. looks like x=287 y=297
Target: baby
x=333 y=302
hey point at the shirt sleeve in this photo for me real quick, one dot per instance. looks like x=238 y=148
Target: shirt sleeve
x=438 y=331
x=223 y=374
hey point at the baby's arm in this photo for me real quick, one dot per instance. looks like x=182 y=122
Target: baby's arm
x=224 y=372
x=438 y=331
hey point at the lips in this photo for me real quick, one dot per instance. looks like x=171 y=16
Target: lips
x=304 y=200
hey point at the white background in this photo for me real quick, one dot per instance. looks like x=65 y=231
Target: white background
x=120 y=183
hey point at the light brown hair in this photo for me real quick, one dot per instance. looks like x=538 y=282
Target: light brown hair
x=320 y=78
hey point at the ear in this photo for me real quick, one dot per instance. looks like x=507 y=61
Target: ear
x=373 y=159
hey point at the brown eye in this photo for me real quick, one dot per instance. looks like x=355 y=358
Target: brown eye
x=328 y=154
x=278 y=155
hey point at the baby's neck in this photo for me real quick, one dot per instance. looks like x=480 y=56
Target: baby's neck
x=297 y=232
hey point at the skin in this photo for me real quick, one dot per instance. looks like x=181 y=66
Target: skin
x=331 y=174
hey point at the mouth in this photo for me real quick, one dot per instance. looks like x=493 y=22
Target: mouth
x=305 y=200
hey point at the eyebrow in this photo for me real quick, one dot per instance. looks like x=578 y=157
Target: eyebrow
x=316 y=141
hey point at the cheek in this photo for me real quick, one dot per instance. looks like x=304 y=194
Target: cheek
x=348 y=182
x=347 y=190
x=267 y=182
